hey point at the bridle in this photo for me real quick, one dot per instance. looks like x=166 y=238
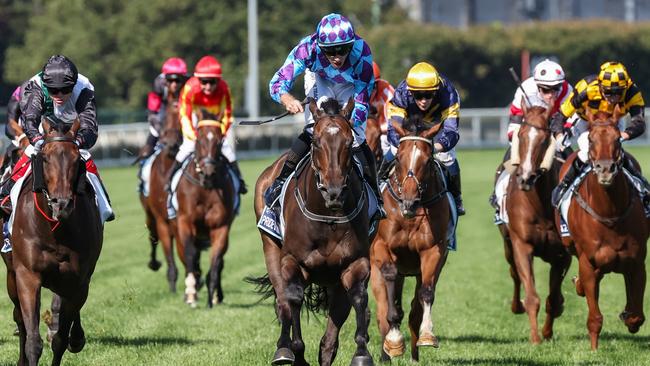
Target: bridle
x=209 y=159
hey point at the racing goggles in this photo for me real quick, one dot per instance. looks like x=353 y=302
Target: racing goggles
x=340 y=50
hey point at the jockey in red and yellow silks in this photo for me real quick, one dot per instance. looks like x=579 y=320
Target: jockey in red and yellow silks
x=208 y=91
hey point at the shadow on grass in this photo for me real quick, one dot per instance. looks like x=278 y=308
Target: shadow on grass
x=604 y=337
x=144 y=341
x=501 y=361
x=470 y=338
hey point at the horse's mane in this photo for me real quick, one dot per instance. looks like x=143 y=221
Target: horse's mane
x=413 y=124
x=331 y=107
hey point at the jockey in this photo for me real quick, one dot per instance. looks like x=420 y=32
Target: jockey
x=547 y=85
x=337 y=65
x=612 y=86
x=13 y=130
x=379 y=98
x=61 y=94
x=171 y=80
x=431 y=95
x=207 y=90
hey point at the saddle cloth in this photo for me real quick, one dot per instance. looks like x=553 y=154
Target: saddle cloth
x=177 y=177
x=565 y=200
x=501 y=192
x=273 y=225
x=145 y=173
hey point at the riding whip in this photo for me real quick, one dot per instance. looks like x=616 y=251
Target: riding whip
x=518 y=81
x=256 y=123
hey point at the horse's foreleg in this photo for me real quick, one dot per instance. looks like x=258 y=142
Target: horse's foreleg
x=635 y=280
x=192 y=277
x=60 y=339
x=219 y=245
x=523 y=255
x=152 y=226
x=13 y=295
x=355 y=281
x=339 y=309
x=590 y=280
x=378 y=286
x=431 y=263
x=294 y=297
x=555 y=300
x=415 y=319
x=51 y=317
x=29 y=295
x=393 y=341
x=516 y=306
x=167 y=241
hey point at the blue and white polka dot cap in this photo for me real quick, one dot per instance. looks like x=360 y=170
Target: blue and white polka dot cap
x=334 y=29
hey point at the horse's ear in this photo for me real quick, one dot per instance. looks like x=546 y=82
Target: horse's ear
x=617 y=113
x=313 y=108
x=427 y=134
x=349 y=107
x=524 y=106
x=46 y=125
x=398 y=128
x=75 y=126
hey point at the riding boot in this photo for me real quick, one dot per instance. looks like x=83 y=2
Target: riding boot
x=384 y=168
x=366 y=157
x=177 y=165
x=454 y=189
x=571 y=174
x=242 y=185
x=299 y=149
x=5 y=200
x=148 y=148
x=493 y=196
x=629 y=166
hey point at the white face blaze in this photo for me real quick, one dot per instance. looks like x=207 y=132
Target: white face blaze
x=333 y=130
x=527 y=166
x=415 y=154
x=210 y=136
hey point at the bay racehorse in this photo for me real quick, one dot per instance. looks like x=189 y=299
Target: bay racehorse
x=323 y=259
x=155 y=204
x=531 y=230
x=373 y=135
x=608 y=226
x=205 y=209
x=58 y=246
x=411 y=241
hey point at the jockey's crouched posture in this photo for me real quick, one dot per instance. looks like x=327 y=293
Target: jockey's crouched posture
x=60 y=94
x=432 y=96
x=603 y=92
x=337 y=65
x=206 y=90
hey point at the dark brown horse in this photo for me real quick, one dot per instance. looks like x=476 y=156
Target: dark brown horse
x=205 y=209
x=58 y=246
x=608 y=226
x=412 y=241
x=531 y=230
x=155 y=205
x=325 y=255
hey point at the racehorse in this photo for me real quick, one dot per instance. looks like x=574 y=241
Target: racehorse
x=608 y=226
x=531 y=230
x=60 y=240
x=412 y=241
x=205 y=209
x=155 y=205
x=373 y=135
x=323 y=259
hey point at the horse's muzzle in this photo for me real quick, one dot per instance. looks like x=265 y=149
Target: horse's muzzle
x=605 y=170
x=61 y=208
x=408 y=207
x=334 y=197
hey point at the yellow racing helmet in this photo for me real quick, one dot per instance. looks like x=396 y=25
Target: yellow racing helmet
x=423 y=76
x=614 y=76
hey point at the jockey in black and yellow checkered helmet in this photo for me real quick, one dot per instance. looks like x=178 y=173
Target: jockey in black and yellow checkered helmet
x=613 y=80
x=423 y=76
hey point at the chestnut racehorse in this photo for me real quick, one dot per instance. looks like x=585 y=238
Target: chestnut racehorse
x=531 y=230
x=58 y=246
x=608 y=226
x=205 y=209
x=323 y=260
x=155 y=205
x=411 y=241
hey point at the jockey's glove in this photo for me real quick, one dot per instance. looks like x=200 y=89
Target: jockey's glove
x=38 y=144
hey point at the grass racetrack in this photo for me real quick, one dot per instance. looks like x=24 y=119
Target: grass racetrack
x=132 y=319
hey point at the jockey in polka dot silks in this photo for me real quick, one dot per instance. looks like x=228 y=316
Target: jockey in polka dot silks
x=337 y=65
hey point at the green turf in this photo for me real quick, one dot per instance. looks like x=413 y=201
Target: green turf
x=132 y=319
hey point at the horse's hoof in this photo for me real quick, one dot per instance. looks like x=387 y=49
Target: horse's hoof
x=76 y=345
x=283 y=356
x=517 y=307
x=393 y=349
x=154 y=265
x=428 y=340
x=16 y=331
x=361 y=361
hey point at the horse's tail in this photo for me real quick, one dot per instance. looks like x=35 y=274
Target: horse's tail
x=315 y=296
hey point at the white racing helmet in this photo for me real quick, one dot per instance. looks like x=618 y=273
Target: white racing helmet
x=548 y=73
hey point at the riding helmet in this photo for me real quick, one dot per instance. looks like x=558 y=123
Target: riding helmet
x=333 y=30
x=207 y=67
x=59 y=72
x=423 y=76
